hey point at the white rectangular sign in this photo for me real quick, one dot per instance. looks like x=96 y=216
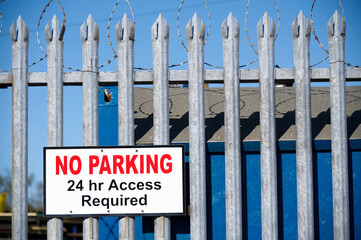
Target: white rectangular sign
x=95 y=181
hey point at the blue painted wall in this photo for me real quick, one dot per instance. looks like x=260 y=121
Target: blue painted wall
x=287 y=187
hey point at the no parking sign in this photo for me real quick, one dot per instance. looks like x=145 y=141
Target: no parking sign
x=91 y=181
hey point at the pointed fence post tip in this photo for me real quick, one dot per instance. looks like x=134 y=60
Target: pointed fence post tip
x=160 y=28
x=21 y=32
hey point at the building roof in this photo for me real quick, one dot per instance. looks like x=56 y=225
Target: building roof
x=249 y=111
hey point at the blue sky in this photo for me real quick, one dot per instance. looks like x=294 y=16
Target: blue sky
x=146 y=13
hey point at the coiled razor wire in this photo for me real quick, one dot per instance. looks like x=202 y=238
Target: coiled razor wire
x=180 y=37
x=108 y=33
x=209 y=23
x=1 y=22
x=316 y=37
x=37 y=30
x=318 y=40
x=1 y=29
x=246 y=27
x=249 y=37
x=181 y=40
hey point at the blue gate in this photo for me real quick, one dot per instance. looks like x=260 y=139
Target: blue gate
x=251 y=191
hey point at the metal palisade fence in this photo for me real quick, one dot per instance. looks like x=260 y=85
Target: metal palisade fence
x=196 y=76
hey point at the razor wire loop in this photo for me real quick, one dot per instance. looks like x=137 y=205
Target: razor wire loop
x=108 y=31
x=247 y=64
x=319 y=62
x=1 y=22
x=170 y=66
x=79 y=70
x=209 y=23
x=211 y=65
x=246 y=27
x=177 y=65
x=1 y=29
x=37 y=30
x=318 y=40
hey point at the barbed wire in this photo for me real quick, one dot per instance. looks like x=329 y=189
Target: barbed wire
x=177 y=65
x=247 y=64
x=79 y=70
x=319 y=62
x=246 y=27
x=1 y=22
x=209 y=24
x=249 y=37
x=1 y=29
x=179 y=35
x=37 y=30
x=318 y=40
x=108 y=31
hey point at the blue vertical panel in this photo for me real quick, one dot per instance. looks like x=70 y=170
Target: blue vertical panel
x=138 y=228
x=324 y=188
x=216 y=196
x=108 y=228
x=356 y=194
x=289 y=195
x=253 y=198
x=108 y=136
x=108 y=117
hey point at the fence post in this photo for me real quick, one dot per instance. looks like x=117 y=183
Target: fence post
x=301 y=49
x=89 y=33
x=266 y=38
x=230 y=35
x=20 y=44
x=160 y=42
x=197 y=152
x=54 y=42
x=125 y=40
x=340 y=186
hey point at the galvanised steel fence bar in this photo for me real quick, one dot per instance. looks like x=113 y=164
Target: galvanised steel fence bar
x=89 y=33
x=55 y=75
x=230 y=35
x=301 y=31
x=266 y=37
x=336 y=28
x=160 y=43
x=20 y=44
x=125 y=40
x=197 y=144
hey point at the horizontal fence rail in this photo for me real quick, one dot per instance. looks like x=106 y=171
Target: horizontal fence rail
x=181 y=77
x=196 y=76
